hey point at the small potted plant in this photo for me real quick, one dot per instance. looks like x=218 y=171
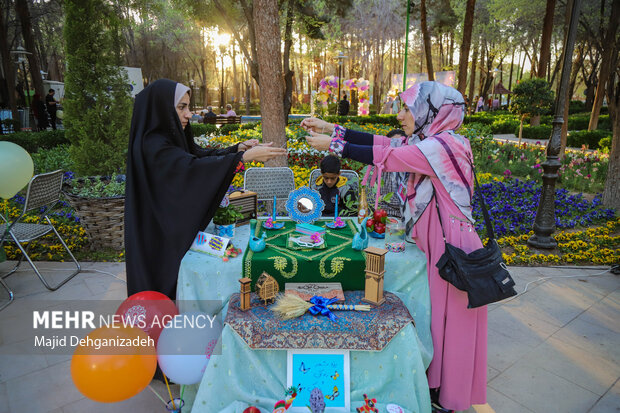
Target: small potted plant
x=99 y=202
x=225 y=218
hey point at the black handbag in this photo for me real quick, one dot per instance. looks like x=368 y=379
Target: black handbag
x=481 y=273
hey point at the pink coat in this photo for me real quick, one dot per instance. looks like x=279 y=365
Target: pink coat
x=459 y=365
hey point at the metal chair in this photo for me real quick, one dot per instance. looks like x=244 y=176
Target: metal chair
x=269 y=182
x=43 y=193
x=352 y=177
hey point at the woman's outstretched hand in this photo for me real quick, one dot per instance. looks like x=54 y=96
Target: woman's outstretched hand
x=317 y=125
x=263 y=153
x=318 y=141
x=245 y=145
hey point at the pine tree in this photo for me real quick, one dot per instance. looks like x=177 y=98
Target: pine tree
x=97 y=104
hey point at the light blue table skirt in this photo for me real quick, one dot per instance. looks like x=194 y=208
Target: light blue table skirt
x=241 y=377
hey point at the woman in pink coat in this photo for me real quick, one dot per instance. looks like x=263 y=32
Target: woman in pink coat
x=436 y=187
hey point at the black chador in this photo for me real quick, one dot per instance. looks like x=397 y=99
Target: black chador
x=173 y=190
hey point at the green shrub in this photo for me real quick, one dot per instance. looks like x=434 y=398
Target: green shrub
x=484 y=118
x=592 y=139
x=362 y=120
x=504 y=126
x=605 y=144
x=581 y=121
x=301 y=108
x=199 y=129
x=48 y=160
x=99 y=186
x=33 y=141
x=249 y=125
x=226 y=129
x=538 y=133
x=97 y=102
x=576 y=106
x=532 y=97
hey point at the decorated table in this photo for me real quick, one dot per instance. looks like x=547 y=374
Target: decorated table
x=333 y=261
x=243 y=376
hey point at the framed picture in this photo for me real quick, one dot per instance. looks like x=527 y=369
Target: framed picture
x=325 y=370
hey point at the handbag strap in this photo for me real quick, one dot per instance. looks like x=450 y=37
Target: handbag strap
x=487 y=220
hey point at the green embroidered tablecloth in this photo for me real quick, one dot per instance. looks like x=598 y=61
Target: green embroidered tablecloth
x=338 y=262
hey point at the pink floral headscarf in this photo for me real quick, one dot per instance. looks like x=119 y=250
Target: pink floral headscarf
x=435 y=107
x=438 y=111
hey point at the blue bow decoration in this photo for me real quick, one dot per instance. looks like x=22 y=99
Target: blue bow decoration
x=320 y=306
x=226 y=231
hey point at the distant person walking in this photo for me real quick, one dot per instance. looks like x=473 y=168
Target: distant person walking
x=40 y=114
x=51 y=105
x=343 y=106
x=480 y=104
x=387 y=106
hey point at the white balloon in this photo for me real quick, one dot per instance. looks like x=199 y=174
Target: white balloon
x=16 y=169
x=185 y=346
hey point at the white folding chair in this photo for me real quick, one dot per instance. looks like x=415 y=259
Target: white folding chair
x=269 y=182
x=43 y=193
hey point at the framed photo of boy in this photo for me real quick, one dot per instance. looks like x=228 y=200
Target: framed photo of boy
x=325 y=370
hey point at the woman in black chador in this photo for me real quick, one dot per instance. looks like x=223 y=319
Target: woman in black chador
x=173 y=186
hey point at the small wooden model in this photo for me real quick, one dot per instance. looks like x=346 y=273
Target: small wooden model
x=267 y=287
x=244 y=298
x=375 y=269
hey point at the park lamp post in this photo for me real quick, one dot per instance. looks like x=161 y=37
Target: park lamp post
x=20 y=55
x=192 y=85
x=544 y=223
x=341 y=58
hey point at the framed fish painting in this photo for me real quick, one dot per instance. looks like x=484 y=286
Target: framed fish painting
x=320 y=376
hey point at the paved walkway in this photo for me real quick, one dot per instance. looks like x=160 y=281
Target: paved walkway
x=555 y=348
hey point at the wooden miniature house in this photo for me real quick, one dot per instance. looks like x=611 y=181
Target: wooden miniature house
x=244 y=298
x=267 y=287
x=375 y=269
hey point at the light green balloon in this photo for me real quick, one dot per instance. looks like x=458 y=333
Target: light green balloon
x=16 y=169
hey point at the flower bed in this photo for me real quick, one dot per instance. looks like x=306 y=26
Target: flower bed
x=589 y=233
x=47 y=247
x=600 y=245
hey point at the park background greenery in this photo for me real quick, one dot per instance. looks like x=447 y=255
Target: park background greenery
x=184 y=40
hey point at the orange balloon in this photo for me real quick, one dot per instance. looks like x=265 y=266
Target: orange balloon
x=122 y=366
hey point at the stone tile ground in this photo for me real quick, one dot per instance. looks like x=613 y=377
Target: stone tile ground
x=555 y=348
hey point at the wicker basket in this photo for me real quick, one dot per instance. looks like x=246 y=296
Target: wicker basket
x=102 y=218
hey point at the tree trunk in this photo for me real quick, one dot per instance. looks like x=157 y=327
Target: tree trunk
x=608 y=47
x=545 y=40
x=441 y=59
x=427 y=41
x=465 y=45
x=288 y=73
x=22 y=11
x=611 y=193
x=571 y=90
x=472 y=80
x=512 y=61
x=451 y=56
x=7 y=65
x=268 y=43
x=236 y=91
x=483 y=75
